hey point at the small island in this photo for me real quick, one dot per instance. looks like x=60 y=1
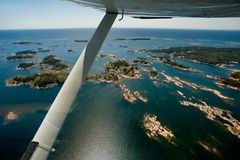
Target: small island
x=70 y=50
x=26 y=43
x=153 y=74
x=155 y=130
x=134 y=39
x=210 y=148
x=44 y=50
x=27 y=65
x=123 y=69
x=22 y=43
x=110 y=56
x=123 y=46
x=81 y=41
x=54 y=63
x=221 y=116
x=115 y=72
x=38 y=81
x=166 y=59
x=142 y=61
x=130 y=96
x=46 y=78
x=233 y=82
x=180 y=83
x=28 y=54
x=109 y=78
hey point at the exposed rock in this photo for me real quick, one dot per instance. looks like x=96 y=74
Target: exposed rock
x=210 y=148
x=221 y=116
x=155 y=130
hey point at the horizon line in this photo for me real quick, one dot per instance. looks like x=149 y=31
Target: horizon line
x=210 y=29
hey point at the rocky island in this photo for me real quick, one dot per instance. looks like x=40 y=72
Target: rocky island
x=38 y=81
x=180 y=83
x=210 y=148
x=134 y=39
x=221 y=116
x=166 y=59
x=233 y=82
x=142 y=61
x=123 y=69
x=27 y=43
x=53 y=62
x=110 y=56
x=44 y=50
x=28 y=54
x=155 y=130
x=109 y=78
x=115 y=72
x=81 y=41
x=46 y=78
x=27 y=65
x=153 y=74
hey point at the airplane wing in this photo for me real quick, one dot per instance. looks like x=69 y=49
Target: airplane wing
x=44 y=139
x=167 y=8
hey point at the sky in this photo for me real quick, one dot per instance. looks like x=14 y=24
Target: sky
x=44 y=14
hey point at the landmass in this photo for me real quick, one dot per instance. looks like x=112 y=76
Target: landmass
x=11 y=116
x=109 y=78
x=70 y=50
x=46 y=78
x=208 y=55
x=221 y=116
x=111 y=56
x=130 y=96
x=28 y=54
x=27 y=65
x=179 y=82
x=115 y=72
x=123 y=69
x=155 y=130
x=81 y=41
x=53 y=62
x=153 y=74
x=210 y=148
x=166 y=59
x=134 y=39
x=233 y=82
x=26 y=43
x=123 y=46
x=142 y=61
x=44 y=50
x=38 y=81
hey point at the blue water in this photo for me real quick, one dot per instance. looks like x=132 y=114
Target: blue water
x=102 y=125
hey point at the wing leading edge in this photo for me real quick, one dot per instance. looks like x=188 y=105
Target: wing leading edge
x=167 y=8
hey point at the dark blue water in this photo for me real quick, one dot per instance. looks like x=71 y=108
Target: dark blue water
x=102 y=125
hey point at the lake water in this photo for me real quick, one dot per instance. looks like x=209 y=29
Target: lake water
x=101 y=124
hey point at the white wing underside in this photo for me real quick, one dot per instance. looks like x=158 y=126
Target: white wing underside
x=167 y=8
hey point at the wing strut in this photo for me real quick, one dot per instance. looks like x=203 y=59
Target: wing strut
x=44 y=139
